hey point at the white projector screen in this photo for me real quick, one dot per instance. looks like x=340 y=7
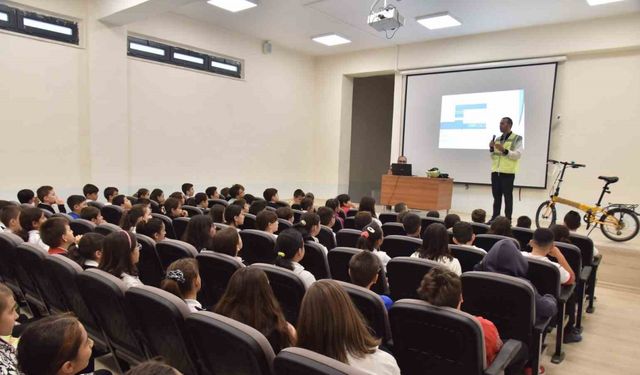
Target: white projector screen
x=451 y=117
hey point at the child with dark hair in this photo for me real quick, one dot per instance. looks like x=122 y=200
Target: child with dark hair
x=298 y=195
x=224 y=193
x=249 y=198
x=120 y=254
x=90 y=192
x=400 y=207
x=242 y=203
x=479 y=216
x=271 y=196
x=56 y=233
x=157 y=196
x=267 y=221
x=290 y=247
x=233 y=216
x=442 y=287
x=200 y=232
x=179 y=196
x=501 y=226
x=27 y=196
x=306 y=205
x=435 y=246
x=542 y=246
x=327 y=216
x=173 y=207
x=524 y=222
x=153 y=228
x=309 y=228
x=412 y=224
x=89 y=250
x=572 y=221
x=187 y=189
x=10 y=219
x=30 y=220
x=463 y=236
x=121 y=201
x=285 y=213
x=433 y=214
x=217 y=213
x=110 y=192
x=364 y=269
x=92 y=214
x=212 y=192
x=48 y=199
x=76 y=203
x=228 y=241
x=183 y=280
x=138 y=213
x=362 y=219
x=344 y=201
x=335 y=206
x=371 y=239
x=368 y=204
x=200 y=200
x=561 y=233
x=142 y=193
x=256 y=207
x=450 y=220
x=236 y=191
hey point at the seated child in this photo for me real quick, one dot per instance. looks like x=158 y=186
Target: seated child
x=183 y=280
x=364 y=269
x=56 y=233
x=76 y=203
x=463 y=235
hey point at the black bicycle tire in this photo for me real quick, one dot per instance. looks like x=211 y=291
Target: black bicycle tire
x=553 y=213
x=629 y=212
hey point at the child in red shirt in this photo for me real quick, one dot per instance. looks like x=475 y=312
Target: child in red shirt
x=56 y=233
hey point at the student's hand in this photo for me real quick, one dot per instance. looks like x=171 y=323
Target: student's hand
x=184 y=213
x=499 y=147
x=554 y=252
x=59 y=200
x=77 y=238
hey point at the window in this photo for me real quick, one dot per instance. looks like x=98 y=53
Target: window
x=150 y=50
x=39 y=25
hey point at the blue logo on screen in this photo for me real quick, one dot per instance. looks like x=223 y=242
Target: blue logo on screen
x=459 y=123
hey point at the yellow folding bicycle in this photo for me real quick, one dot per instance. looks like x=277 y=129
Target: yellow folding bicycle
x=618 y=222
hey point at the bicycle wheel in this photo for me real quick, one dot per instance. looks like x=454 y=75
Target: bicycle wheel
x=620 y=224
x=546 y=215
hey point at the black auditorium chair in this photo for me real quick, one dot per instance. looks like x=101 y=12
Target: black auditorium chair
x=192 y=210
x=393 y=228
x=8 y=261
x=589 y=264
x=31 y=258
x=327 y=237
x=258 y=247
x=168 y=225
x=573 y=256
x=62 y=215
x=249 y=222
x=297 y=214
x=149 y=265
x=155 y=207
x=112 y=214
x=161 y=318
x=352 y=212
x=523 y=236
x=132 y=199
x=486 y=241
x=426 y=221
x=299 y=361
x=221 y=202
x=283 y=225
x=405 y=275
x=337 y=226
x=180 y=226
x=95 y=204
x=372 y=309
x=106 y=229
x=315 y=260
x=509 y=303
x=215 y=271
x=347 y=237
x=103 y=294
x=224 y=346
x=350 y=222
x=400 y=246
x=220 y=226
x=388 y=217
x=287 y=287
x=479 y=228
x=171 y=250
x=46 y=213
x=82 y=226
x=467 y=256
x=455 y=343
x=28 y=286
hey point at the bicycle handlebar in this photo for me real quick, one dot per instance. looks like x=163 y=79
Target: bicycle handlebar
x=568 y=164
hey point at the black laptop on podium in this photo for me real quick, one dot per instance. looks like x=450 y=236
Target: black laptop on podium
x=401 y=169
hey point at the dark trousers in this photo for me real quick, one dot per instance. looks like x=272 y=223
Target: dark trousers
x=502 y=185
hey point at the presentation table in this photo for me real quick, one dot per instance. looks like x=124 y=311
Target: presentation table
x=421 y=193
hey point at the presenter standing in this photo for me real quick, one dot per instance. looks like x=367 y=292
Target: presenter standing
x=505 y=155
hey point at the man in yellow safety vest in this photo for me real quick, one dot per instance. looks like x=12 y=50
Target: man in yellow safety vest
x=505 y=156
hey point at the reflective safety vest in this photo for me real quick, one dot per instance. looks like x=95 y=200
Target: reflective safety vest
x=501 y=162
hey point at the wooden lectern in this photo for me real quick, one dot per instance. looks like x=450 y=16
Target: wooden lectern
x=422 y=193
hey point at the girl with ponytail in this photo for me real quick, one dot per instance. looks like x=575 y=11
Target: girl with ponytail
x=371 y=239
x=183 y=280
x=290 y=248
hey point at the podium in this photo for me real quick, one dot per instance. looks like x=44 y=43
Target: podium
x=422 y=193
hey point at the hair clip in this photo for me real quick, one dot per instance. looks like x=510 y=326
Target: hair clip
x=364 y=234
x=371 y=230
x=281 y=254
x=303 y=223
x=176 y=275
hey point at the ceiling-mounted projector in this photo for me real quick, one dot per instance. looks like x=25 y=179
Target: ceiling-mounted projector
x=386 y=18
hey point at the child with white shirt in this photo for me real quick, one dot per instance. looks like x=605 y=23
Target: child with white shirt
x=463 y=236
x=89 y=250
x=30 y=221
x=371 y=239
x=120 y=255
x=290 y=248
x=435 y=246
x=183 y=280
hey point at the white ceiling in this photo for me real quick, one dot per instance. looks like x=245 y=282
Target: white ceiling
x=292 y=23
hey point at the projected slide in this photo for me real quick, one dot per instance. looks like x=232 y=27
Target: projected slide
x=469 y=121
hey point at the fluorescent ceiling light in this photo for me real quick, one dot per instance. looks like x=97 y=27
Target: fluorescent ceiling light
x=47 y=26
x=147 y=49
x=601 y=2
x=438 y=21
x=224 y=66
x=233 y=5
x=4 y=17
x=193 y=59
x=330 y=40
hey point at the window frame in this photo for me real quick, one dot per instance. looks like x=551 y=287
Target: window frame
x=16 y=18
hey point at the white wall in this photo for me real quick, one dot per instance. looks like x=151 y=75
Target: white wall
x=597 y=87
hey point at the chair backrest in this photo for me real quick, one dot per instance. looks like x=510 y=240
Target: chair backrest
x=450 y=341
x=467 y=256
x=224 y=346
x=327 y=237
x=347 y=237
x=249 y=222
x=400 y=246
x=506 y=301
x=486 y=241
x=168 y=225
x=215 y=271
x=8 y=260
x=171 y=250
x=221 y=226
x=32 y=257
x=372 y=309
x=297 y=214
x=64 y=272
x=149 y=265
x=282 y=225
x=338 y=259
x=388 y=217
x=192 y=210
x=426 y=221
x=315 y=260
x=95 y=204
x=585 y=244
x=288 y=288
x=352 y=212
x=405 y=275
x=112 y=214
x=573 y=256
x=221 y=202
x=82 y=226
x=161 y=318
x=47 y=213
x=393 y=228
x=350 y=222
x=24 y=279
x=337 y=226
x=103 y=294
x=62 y=215
x=479 y=228
x=523 y=235
x=180 y=226
x=132 y=199
x=544 y=276
x=106 y=229
x=155 y=207
x=258 y=247
x=299 y=361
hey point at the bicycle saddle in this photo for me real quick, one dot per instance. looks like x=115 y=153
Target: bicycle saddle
x=610 y=180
